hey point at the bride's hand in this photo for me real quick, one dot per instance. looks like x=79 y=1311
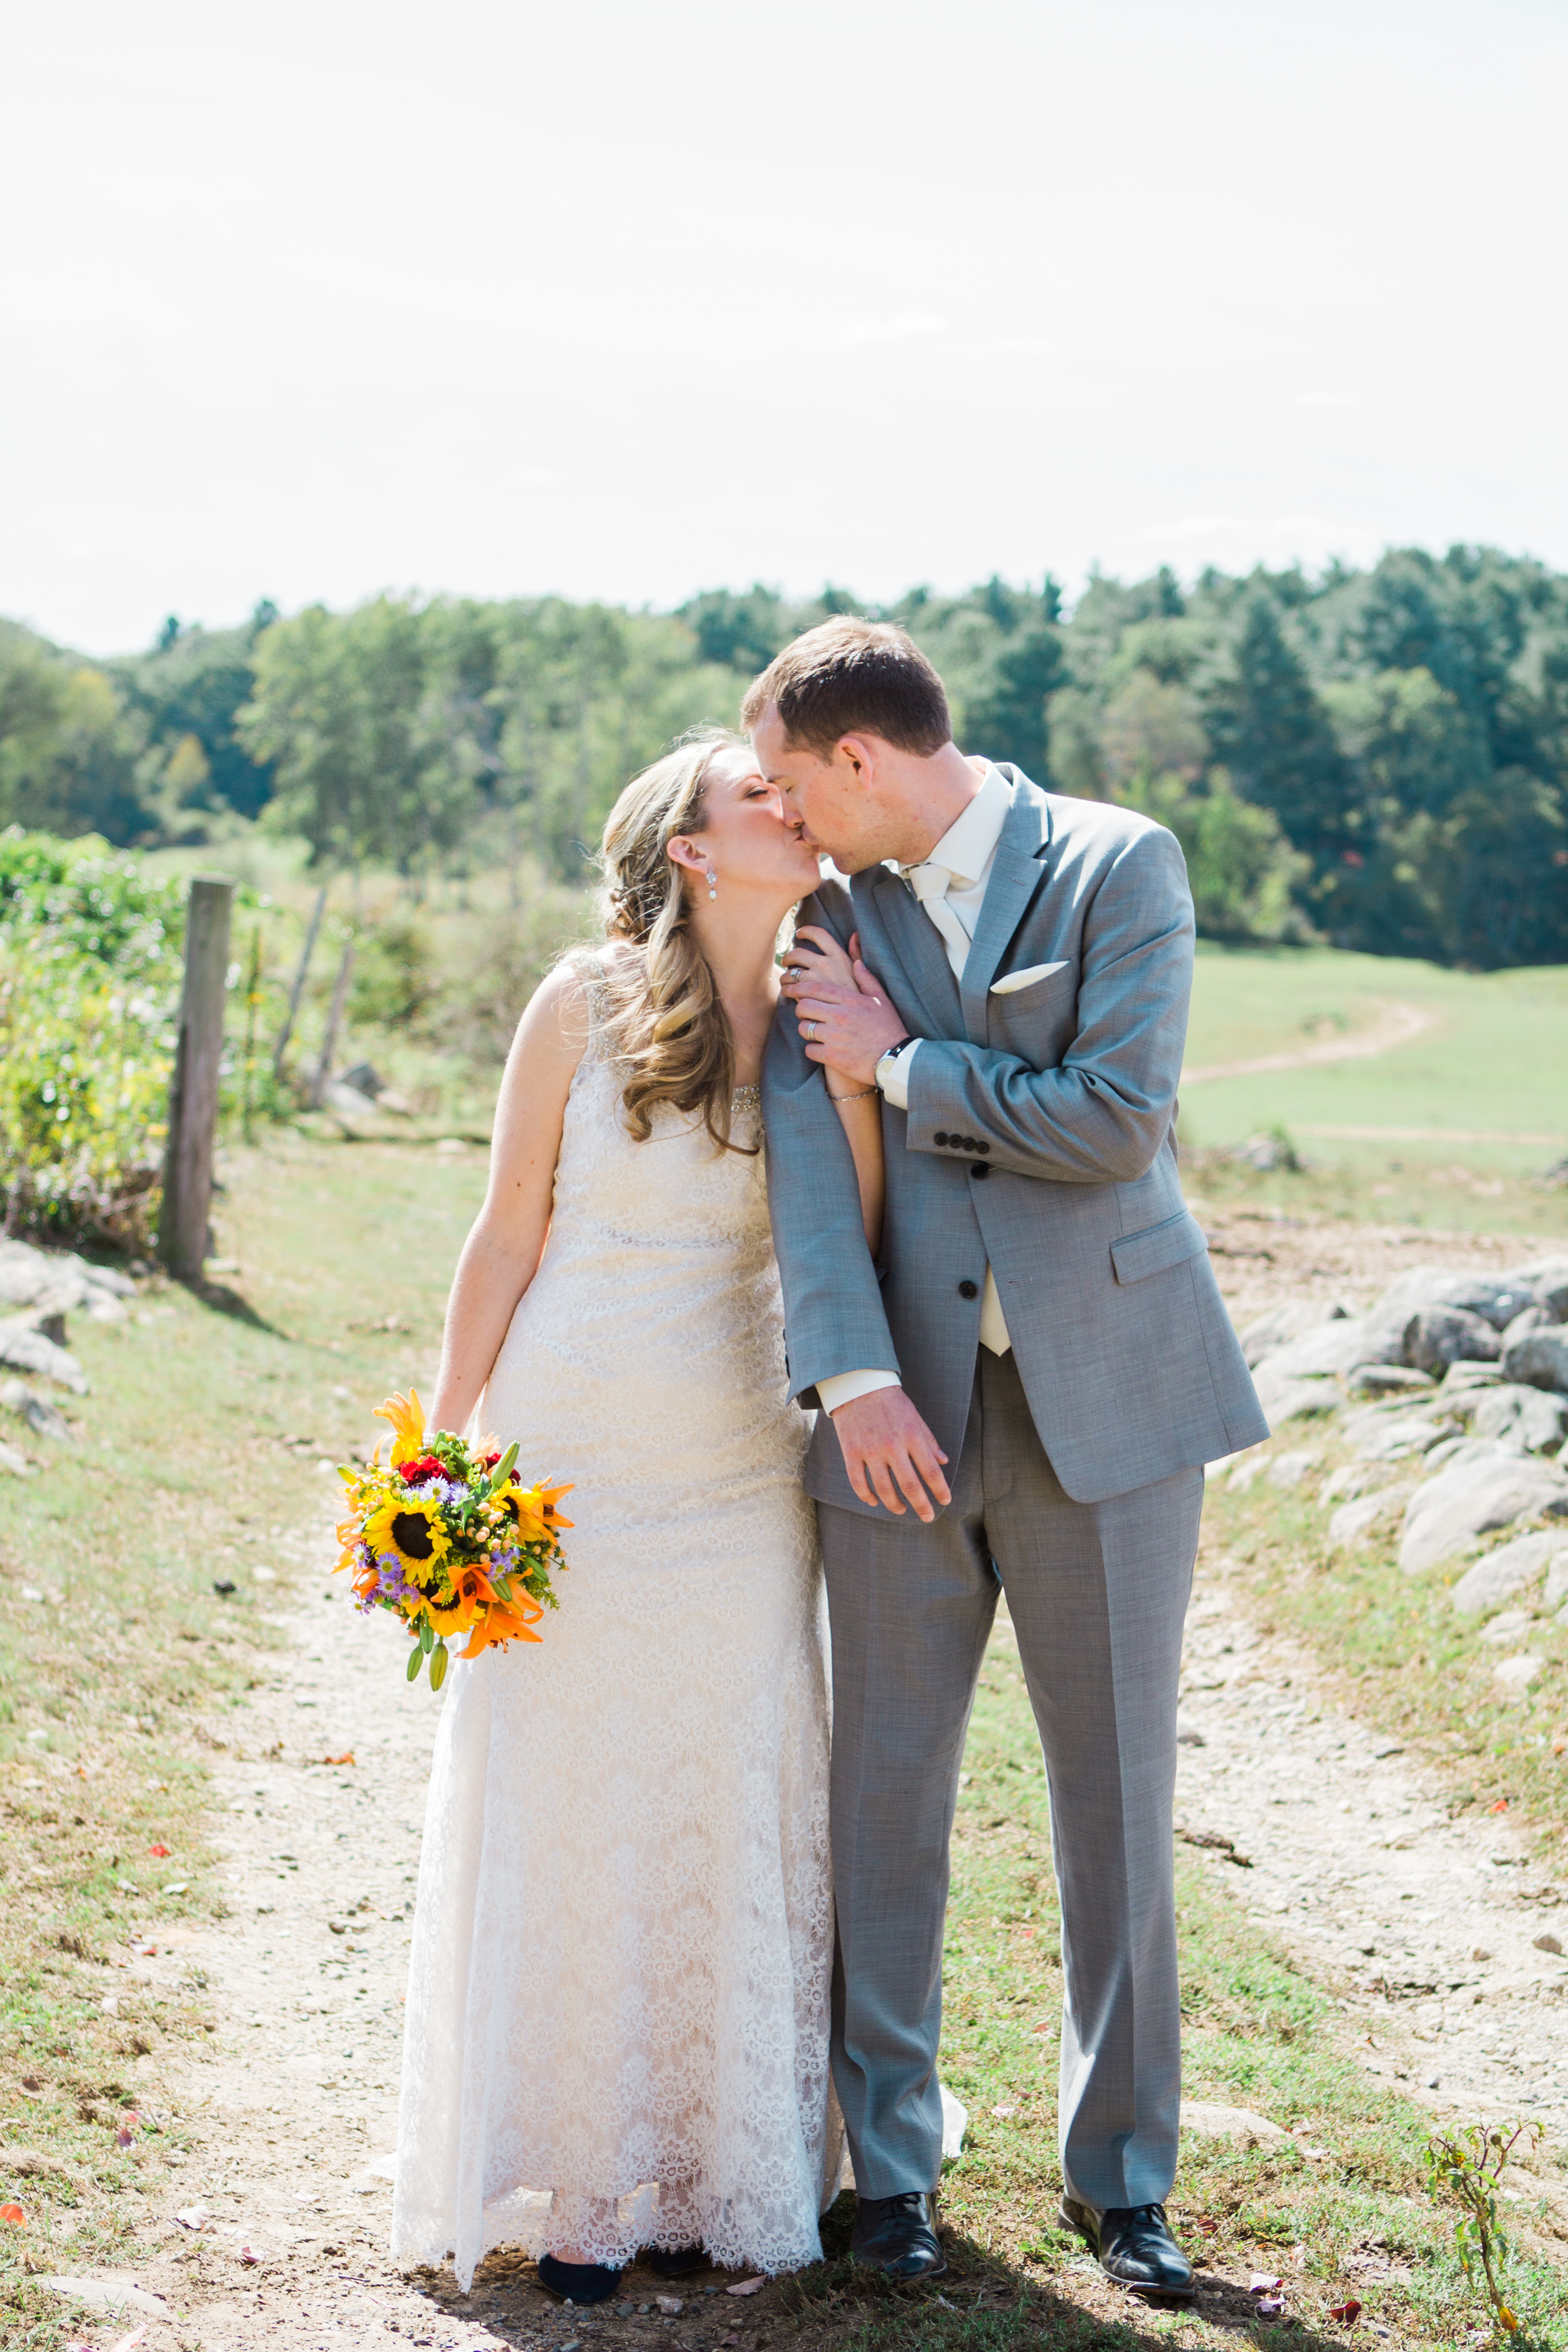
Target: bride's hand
x=816 y=956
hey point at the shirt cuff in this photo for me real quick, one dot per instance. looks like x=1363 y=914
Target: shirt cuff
x=893 y=1077
x=842 y=1388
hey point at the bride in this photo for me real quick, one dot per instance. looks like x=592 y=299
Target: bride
x=617 y=2018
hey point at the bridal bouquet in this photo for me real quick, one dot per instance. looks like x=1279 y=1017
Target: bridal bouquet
x=449 y=1541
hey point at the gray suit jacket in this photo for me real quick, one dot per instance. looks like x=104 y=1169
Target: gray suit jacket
x=1040 y=1137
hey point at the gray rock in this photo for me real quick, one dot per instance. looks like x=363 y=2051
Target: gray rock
x=1301 y=1400
x=1441 y=1336
x=346 y=1101
x=1354 y=1478
x=1289 y=1469
x=365 y=1079
x=1517 y=1674
x=1435 y=1455
x=1513 y=1567
x=1460 y=1450
x=1556 y=1586
x=1377 y=1434
x=1353 y=1521
x=1515 y=1414
x=1387 y=1380
x=1285 y=1322
x=1424 y=1288
x=38 y=1413
x=1532 y=1320
x=1464 y=1375
x=1448 y=1514
x=1506 y=1632
x=1208 y=2119
x=16 y=1463
x=1546 y=1279
x=1333 y=1347
x=27 y=1351
x=1540 y=1358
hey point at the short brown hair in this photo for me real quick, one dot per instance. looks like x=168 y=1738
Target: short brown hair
x=847 y=677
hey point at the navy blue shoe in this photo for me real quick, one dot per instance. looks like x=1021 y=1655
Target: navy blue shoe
x=578 y=2283
x=678 y=2262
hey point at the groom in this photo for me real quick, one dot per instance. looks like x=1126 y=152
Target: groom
x=1019 y=1396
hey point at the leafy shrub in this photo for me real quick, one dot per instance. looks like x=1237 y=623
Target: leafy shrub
x=89 y=975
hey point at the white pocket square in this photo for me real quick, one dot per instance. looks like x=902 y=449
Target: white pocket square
x=1011 y=981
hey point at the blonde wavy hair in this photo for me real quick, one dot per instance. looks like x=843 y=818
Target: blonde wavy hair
x=667 y=1028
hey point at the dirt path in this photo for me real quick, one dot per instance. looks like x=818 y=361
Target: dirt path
x=1428 y=1924
x=1395 y=1025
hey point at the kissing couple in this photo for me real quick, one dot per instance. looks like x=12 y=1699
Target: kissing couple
x=681 y=1917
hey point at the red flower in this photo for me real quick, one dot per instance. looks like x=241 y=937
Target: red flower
x=425 y=1467
x=161 y=1851
x=490 y=1460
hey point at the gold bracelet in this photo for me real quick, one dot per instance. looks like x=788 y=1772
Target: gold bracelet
x=860 y=1097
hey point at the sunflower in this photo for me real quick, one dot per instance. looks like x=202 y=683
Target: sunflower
x=407 y=1415
x=410 y=1526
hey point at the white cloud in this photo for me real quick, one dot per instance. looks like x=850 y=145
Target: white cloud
x=907 y=327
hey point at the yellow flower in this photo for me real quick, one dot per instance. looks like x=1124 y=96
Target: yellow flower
x=533 y=1509
x=412 y=1528
x=407 y=1415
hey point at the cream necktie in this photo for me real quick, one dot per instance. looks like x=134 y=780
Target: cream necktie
x=930 y=885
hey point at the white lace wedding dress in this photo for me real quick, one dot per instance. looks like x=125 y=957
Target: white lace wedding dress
x=618 y=2013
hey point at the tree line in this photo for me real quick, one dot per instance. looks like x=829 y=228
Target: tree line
x=1374 y=757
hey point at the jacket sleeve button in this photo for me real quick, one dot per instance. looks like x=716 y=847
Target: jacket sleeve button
x=983 y=1147
x=940 y=1140
x=969 y=1290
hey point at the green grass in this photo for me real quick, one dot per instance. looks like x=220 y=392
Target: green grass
x=1492 y=1067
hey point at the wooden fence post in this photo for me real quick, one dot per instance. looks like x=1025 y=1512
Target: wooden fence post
x=193 y=1096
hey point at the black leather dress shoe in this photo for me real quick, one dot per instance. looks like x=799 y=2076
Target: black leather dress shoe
x=1134 y=2245
x=897 y=2235
x=578 y=2283
x=678 y=2262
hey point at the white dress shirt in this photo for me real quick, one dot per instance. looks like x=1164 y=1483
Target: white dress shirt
x=968 y=851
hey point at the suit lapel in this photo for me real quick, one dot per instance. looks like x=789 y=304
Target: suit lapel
x=1017 y=873
x=890 y=914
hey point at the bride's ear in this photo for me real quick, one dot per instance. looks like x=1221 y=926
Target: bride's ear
x=683 y=851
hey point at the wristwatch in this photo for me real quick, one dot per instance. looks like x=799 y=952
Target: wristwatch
x=891 y=1055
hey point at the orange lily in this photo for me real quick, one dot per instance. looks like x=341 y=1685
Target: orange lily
x=502 y=1625
x=474 y=1592
x=407 y=1415
x=535 y=1508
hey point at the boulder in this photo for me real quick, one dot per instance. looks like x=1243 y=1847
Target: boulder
x=1517 y=1674
x=1354 y=1478
x=1441 y=1336
x=58 y=1282
x=1424 y=1288
x=1288 y=1400
x=1513 y=1567
x=1448 y=1514
x=1534 y=1319
x=1387 y=1380
x=1377 y=1434
x=1462 y=1377
x=1506 y=1632
x=36 y=1410
x=1353 y=1521
x=1516 y=1414
x=1289 y=1469
x=1208 y=2119
x=16 y=1463
x=1555 y=1590
x=1330 y=1348
x=1540 y=1359
x=1547 y=1282
x=348 y=1102
x=27 y=1351
x=1284 y=1322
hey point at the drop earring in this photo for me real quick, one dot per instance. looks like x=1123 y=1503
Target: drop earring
x=712 y=884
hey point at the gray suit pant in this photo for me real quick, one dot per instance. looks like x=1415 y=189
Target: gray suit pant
x=1096 y=1593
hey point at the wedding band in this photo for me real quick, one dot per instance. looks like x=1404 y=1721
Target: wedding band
x=794 y=971
x=808 y=1031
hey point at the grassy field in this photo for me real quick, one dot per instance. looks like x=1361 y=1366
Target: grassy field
x=199 y=1445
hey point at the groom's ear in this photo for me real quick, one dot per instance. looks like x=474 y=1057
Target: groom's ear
x=856 y=752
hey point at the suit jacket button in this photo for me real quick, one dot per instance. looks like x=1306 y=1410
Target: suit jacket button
x=940 y=1140
x=969 y=1143
x=983 y=1147
x=978 y=1168
x=969 y=1290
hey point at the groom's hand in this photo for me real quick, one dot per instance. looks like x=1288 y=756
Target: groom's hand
x=889 y=1450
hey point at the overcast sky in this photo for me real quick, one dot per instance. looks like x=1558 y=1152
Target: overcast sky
x=625 y=300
